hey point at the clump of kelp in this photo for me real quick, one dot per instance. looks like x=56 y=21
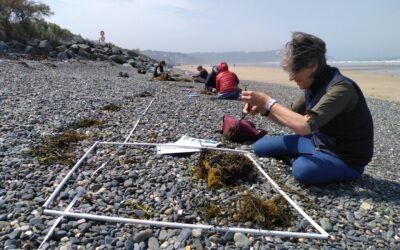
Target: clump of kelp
x=110 y=107
x=248 y=207
x=58 y=148
x=86 y=122
x=144 y=94
x=230 y=170
x=263 y=212
x=139 y=95
x=220 y=169
x=212 y=211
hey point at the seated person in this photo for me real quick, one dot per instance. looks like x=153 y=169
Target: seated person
x=159 y=70
x=333 y=130
x=210 y=83
x=227 y=83
x=201 y=76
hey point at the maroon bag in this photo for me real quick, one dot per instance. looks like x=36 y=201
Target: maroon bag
x=240 y=130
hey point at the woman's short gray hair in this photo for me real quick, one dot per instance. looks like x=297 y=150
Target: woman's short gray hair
x=304 y=50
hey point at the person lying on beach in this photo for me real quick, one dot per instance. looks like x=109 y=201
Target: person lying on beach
x=333 y=127
x=201 y=76
x=227 y=83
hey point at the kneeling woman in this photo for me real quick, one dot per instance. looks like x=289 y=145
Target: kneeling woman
x=333 y=127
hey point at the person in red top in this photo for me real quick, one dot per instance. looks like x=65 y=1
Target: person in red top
x=227 y=83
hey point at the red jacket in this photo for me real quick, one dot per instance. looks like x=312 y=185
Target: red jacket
x=227 y=82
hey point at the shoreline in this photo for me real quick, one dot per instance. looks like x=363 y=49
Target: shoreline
x=379 y=85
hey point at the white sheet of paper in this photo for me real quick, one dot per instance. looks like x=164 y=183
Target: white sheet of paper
x=186 y=141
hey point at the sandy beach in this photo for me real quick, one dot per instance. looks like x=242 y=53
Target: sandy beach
x=374 y=84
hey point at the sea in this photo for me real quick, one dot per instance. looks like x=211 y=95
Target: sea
x=379 y=66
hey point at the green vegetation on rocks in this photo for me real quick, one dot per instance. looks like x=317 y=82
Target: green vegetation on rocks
x=23 y=20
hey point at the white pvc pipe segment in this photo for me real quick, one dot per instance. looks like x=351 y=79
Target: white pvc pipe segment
x=184 y=225
x=324 y=234
x=80 y=191
x=57 y=190
x=171 y=145
x=137 y=122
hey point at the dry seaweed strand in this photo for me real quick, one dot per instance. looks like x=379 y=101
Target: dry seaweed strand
x=110 y=107
x=86 y=122
x=139 y=95
x=261 y=211
x=144 y=94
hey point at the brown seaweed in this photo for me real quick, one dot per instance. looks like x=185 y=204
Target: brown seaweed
x=59 y=148
x=263 y=212
x=86 y=122
x=110 y=107
x=224 y=169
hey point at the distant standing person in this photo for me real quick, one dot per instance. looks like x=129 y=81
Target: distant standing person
x=333 y=136
x=227 y=83
x=210 y=83
x=201 y=76
x=159 y=69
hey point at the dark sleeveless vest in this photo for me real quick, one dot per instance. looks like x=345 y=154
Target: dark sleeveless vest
x=349 y=135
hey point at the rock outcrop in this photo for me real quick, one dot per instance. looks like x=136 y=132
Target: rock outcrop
x=76 y=48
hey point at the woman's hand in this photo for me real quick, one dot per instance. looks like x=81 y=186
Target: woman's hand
x=255 y=102
x=250 y=109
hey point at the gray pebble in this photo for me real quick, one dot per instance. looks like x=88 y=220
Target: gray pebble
x=326 y=224
x=153 y=243
x=142 y=235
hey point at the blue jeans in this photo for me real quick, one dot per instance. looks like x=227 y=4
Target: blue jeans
x=229 y=95
x=309 y=165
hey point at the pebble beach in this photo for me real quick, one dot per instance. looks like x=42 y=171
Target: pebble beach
x=42 y=99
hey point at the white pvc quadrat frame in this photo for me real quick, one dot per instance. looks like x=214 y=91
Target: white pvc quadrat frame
x=321 y=235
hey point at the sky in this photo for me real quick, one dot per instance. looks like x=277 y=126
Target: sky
x=352 y=29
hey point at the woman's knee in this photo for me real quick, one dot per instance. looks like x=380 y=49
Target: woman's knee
x=260 y=147
x=303 y=171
